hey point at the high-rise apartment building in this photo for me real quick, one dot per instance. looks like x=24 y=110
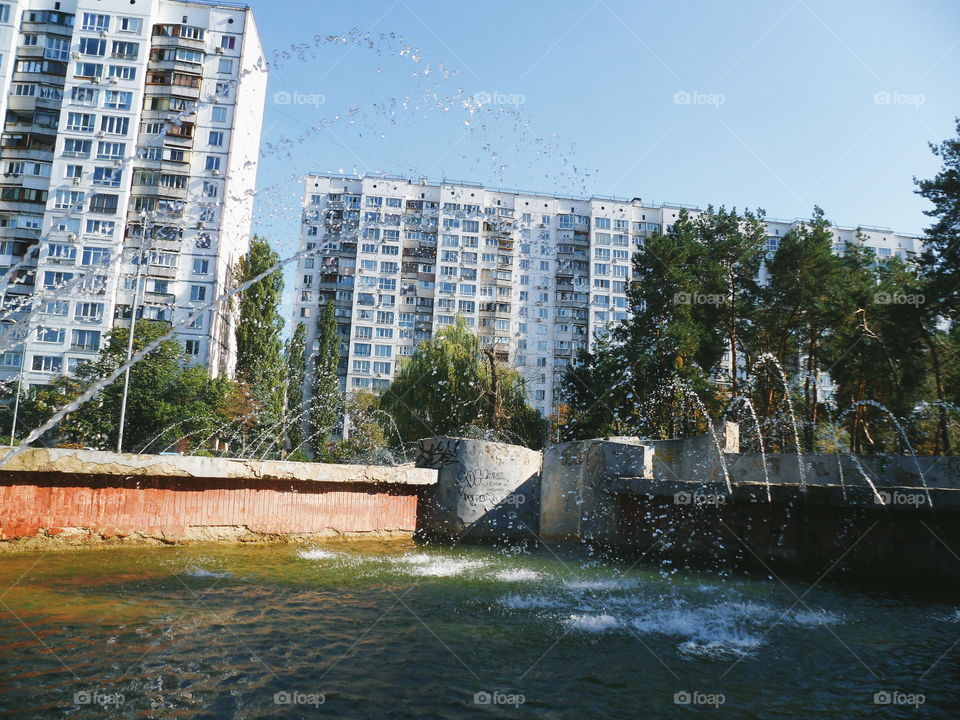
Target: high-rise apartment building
x=128 y=158
x=535 y=276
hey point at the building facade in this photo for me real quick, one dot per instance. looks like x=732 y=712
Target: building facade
x=128 y=158
x=535 y=276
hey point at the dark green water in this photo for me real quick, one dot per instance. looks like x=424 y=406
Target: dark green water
x=389 y=630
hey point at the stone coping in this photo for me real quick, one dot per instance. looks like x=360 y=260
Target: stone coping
x=103 y=463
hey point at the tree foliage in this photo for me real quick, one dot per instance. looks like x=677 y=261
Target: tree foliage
x=452 y=386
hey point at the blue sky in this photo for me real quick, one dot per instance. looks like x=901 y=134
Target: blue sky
x=777 y=105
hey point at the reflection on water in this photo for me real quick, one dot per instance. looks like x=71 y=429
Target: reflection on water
x=366 y=629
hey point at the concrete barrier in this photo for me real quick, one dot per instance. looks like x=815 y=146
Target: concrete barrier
x=51 y=497
x=485 y=491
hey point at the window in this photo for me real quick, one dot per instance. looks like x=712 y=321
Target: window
x=111 y=150
x=129 y=24
x=216 y=138
x=225 y=66
x=201 y=266
x=47 y=363
x=114 y=125
x=77 y=148
x=62 y=252
x=384 y=351
x=106 y=204
x=213 y=163
x=192 y=347
x=382 y=368
x=88 y=312
x=361 y=349
x=109 y=177
x=198 y=293
x=93 y=46
x=95 y=22
x=80 y=122
x=125 y=50
x=57 y=49
x=5 y=18
x=56 y=307
x=118 y=99
x=219 y=115
x=68 y=200
x=85 y=69
x=84 y=96
x=73 y=171
x=123 y=72
x=100 y=227
x=85 y=340
x=228 y=42
x=50 y=335
x=95 y=256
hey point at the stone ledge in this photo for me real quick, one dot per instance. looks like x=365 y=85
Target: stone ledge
x=103 y=463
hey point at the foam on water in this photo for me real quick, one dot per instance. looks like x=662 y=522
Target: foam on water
x=198 y=572
x=587 y=623
x=317 y=554
x=602 y=584
x=518 y=575
x=437 y=566
x=515 y=601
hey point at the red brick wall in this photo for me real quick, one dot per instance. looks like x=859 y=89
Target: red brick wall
x=167 y=507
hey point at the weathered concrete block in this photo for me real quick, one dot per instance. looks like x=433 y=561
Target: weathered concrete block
x=485 y=491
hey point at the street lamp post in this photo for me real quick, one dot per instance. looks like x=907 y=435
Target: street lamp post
x=133 y=325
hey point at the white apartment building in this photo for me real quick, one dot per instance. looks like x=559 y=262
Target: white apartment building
x=534 y=275
x=128 y=158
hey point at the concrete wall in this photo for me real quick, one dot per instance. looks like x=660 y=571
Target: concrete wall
x=485 y=491
x=78 y=497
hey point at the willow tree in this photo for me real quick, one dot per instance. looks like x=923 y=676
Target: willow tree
x=451 y=385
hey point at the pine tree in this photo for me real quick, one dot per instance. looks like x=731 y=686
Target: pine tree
x=296 y=377
x=327 y=399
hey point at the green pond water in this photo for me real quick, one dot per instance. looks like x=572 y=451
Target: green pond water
x=392 y=630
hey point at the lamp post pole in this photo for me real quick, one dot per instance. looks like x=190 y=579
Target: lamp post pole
x=133 y=325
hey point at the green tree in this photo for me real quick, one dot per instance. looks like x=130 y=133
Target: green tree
x=802 y=302
x=941 y=258
x=260 y=362
x=451 y=386
x=296 y=354
x=327 y=399
x=166 y=400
